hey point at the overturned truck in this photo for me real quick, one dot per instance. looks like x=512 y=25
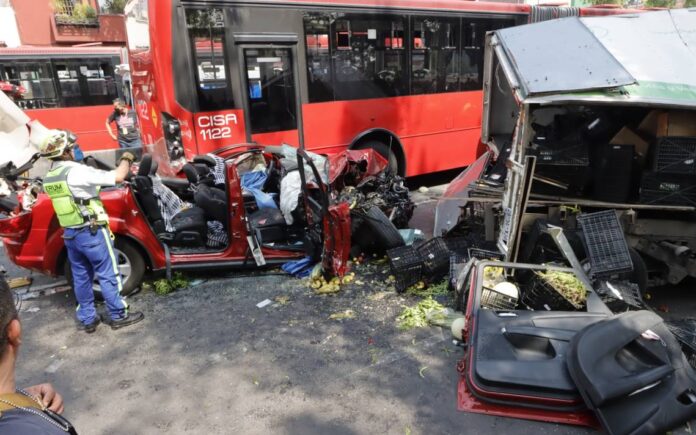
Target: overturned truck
x=612 y=128
x=590 y=125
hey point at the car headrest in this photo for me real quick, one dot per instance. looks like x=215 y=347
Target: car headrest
x=145 y=165
x=191 y=173
x=205 y=159
x=153 y=168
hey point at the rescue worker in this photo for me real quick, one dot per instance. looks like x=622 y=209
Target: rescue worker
x=74 y=192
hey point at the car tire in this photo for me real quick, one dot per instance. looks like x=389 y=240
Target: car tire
x=384 y=231
x=131 y=262
x=384 y=150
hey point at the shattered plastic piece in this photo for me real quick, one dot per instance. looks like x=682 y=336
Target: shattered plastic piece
x=411 y=236
x=423 y=189
x=264 y=303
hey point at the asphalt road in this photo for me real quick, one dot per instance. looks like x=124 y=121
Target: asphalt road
x=206 y=360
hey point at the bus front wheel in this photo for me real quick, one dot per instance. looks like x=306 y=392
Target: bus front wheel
x=385 y=151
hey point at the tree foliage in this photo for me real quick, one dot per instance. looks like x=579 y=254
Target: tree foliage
x=114 y=6
x=606 y=2
x=84 y=11
x=660 y=3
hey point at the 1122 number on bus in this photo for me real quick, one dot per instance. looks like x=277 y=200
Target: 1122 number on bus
x=216 y=126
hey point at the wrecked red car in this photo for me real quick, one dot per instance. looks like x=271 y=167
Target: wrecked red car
x=245 y=206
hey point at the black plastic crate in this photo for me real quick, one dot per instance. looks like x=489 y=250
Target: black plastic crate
x=560 y=154
x=676 y=155
x=435 y=255
x=684 y=330
x=540 y=295
x=668 y=189
x=484 y=254
x=578 y=180
x=406 y=266
x=494 y=300
x=458 y=245
x=613 y=180
x=605 y=243
x=621 y=296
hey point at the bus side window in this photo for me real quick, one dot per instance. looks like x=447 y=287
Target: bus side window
x=434 y=55
x=369 y=60
x=316 y=25
x=206 y=28
x=36 y=78
x=474 y=40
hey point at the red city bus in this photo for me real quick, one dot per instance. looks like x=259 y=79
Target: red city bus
x=401 y=76
x=67 y=87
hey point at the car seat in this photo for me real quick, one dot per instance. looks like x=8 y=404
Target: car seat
x=212 y=200
x=205 y=166
x=269 y=225
x=189 y=225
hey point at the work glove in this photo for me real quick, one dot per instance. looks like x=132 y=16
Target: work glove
x=128 y=157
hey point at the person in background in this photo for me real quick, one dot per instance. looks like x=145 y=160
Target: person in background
x=31 y=411
x=126 y=126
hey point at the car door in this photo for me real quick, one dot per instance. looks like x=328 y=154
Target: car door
x=328 y=224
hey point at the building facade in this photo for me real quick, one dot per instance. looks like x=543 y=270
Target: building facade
x=59 y=23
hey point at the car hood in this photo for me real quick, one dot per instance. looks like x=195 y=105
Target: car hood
x=19 y=134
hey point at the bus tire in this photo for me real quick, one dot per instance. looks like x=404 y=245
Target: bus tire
x=386 y=234
x=639 y=274
x=384 y=150
x=127 y=254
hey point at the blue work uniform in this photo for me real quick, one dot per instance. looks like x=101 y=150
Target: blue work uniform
x=74 y=191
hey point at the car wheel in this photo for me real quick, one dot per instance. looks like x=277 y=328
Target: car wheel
x=385 y=233
x=385 y=151
x=131 y=266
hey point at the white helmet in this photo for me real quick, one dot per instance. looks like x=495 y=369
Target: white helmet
x=54 y=144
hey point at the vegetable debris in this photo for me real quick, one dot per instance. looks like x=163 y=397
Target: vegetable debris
x=417 y=316
x=421 y=290
x=567 y=284
x=493 y=276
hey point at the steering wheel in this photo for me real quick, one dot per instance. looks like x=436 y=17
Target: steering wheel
x=387 y=75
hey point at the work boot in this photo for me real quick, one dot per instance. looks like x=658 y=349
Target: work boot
x=130 y=319
x=90 y=327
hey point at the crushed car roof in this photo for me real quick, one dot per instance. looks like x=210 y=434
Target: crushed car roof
x=642 y=58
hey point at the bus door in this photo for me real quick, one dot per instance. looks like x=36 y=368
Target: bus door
x=269 y=77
